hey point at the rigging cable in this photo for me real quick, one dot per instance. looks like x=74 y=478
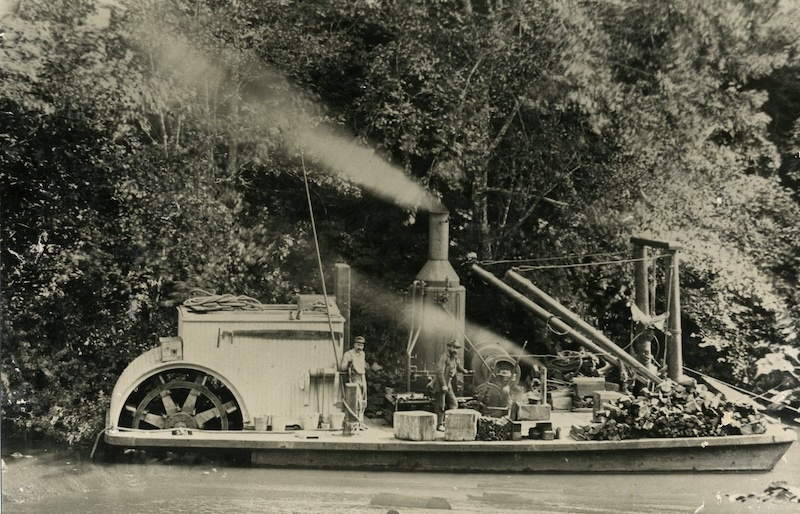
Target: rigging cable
x=322 y=279
x=578 y=265
x=490 y=262
x=785 y=404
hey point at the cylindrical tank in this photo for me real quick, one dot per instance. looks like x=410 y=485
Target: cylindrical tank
x=439 y=310
x=488 y=356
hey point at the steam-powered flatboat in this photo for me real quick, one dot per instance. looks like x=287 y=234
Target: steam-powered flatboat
x=265 y=379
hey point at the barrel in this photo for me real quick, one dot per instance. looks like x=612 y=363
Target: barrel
x=489 y=353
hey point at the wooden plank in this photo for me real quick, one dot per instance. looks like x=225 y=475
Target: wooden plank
x=653 y=243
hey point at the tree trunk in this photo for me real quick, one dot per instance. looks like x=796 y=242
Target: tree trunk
x=479 y=173
x=480 y=208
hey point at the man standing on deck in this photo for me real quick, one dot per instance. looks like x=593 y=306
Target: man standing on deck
x=354 y=362
x=447 y=365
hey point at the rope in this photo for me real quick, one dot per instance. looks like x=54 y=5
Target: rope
x=555 y=356
x=319 y=257
x=96 y=441
x=567 y=364
x=569 y=360
x=203 y=301
x=556 y=332
x=325 y=292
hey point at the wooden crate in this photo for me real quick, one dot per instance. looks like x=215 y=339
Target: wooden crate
x=531 y=412
x=461 y=424
x=586 y=386
x=601 y=397
x=415 y=425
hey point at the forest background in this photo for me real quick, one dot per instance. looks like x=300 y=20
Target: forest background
x=151 y=147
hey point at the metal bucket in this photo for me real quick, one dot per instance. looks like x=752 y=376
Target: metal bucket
x=337 y=420
x=261 y=423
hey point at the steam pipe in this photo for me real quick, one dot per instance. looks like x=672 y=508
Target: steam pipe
x=439 y=235
x=438 y=271
x=536 y=309
x=592 y=333
x=415 y=327
x=578 y=337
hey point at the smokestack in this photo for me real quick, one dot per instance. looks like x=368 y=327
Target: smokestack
x=439 y=303
x=438 y=271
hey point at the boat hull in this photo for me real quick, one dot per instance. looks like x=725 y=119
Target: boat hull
x=377 y=449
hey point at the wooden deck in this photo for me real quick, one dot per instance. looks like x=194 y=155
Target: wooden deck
x=377 y=449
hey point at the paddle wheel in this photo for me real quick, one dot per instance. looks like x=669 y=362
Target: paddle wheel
x=181 y=398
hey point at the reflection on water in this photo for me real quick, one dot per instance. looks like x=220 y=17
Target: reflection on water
x=57 y=484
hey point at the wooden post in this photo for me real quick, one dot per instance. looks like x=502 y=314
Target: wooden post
x=672 y=289
x=674 y=342
x=351 y=421
x=342 y=292
x=642 y=347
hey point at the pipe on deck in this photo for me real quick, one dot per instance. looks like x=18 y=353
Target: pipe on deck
x=599 y=346
x=588 y=330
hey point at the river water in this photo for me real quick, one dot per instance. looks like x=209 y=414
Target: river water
x=44 y=480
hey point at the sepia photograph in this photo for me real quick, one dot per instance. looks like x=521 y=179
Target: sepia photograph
x=400 y=256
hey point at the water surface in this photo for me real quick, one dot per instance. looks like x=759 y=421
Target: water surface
x=43 y=481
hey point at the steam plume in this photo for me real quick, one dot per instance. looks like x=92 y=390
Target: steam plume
x=273 y=104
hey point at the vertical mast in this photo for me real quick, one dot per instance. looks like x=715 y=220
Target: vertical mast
x=674 y=341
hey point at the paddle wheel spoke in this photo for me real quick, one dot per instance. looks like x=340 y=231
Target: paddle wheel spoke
x=154 y=419
x=204 y=417
x=191 y=399
x=168 y=402
x=182 y=399
x=230 y=407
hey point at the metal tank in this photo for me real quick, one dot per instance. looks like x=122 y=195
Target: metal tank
x=437 y=301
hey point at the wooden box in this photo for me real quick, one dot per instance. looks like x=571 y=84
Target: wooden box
x=586 y=386
x=415 y=425
x=532 y=412
x=171 y=348
x=461 y=424
x=561 y=400
x=601 y=397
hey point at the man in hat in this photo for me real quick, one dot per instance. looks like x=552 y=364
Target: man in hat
x=447 y=365
x=354 y=362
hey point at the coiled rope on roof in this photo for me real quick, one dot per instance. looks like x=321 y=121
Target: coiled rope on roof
x=204 y=301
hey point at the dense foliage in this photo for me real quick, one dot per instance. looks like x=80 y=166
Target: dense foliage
x=152 y=147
